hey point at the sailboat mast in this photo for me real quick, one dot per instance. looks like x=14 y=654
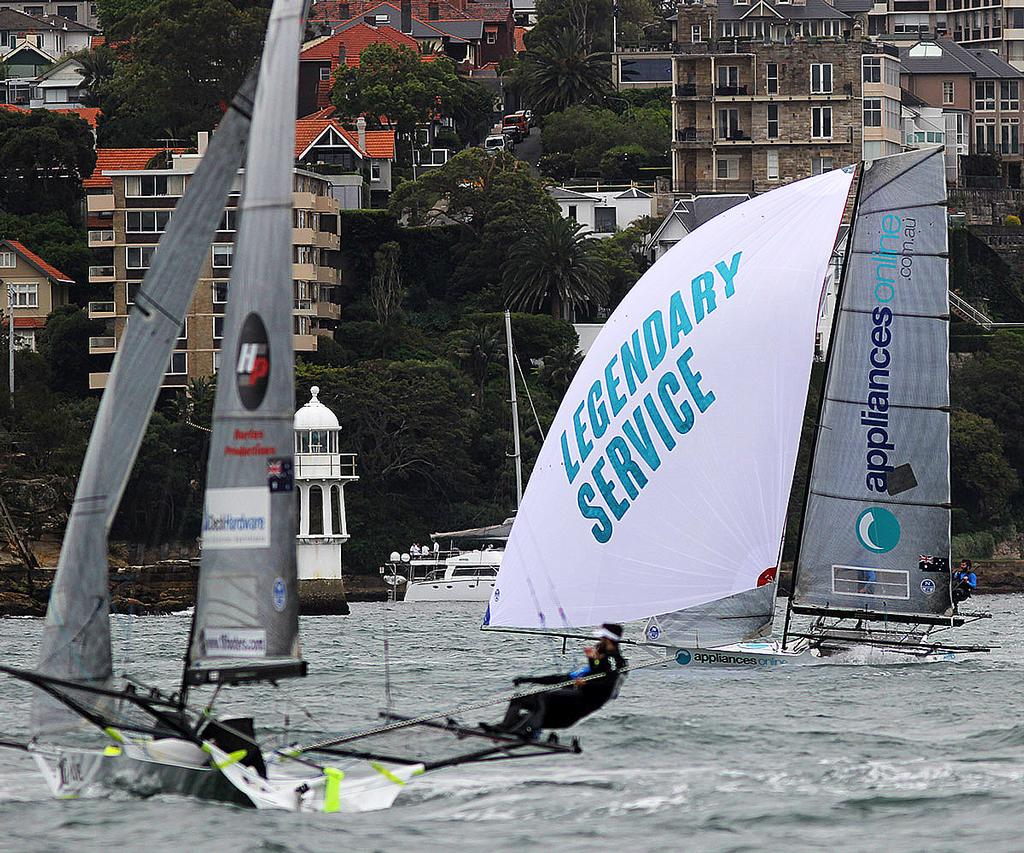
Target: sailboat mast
x=515 y=408
x=829 y=360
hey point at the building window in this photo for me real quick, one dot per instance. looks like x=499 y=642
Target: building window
x=604 y=220
x=25 y=339
x=872 y=69
x=178 y=364
x=872 y=112
x=147 y=221
x=695 y=34
x=831 y=29
x=1009 y=95
x=150 y=186
x=130 y=291
x=218 y=328
x=138 y=257
x=325 y=72
x=229 y=221
x=820 y=165
x=821 y=122
x=220 y=292
x=492 y=38
x=821 y=78
x=223 y=254
x=728 y=77
x=1009 y=132
x=948 y=92
x=216 y=361
x=572 y=213
x=728 y=168
x=730 y=29
x=773 y=121
x=182 y=340
x=374 y=170
x=24 y=295
x=984 y=94
x=8 y=261
x=729 y=124
x=772 y=167
x=69 y=12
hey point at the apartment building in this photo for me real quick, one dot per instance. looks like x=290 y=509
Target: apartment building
x=30 y=288
x=770 y=92
x=128 y=211
x=79 y=11
x=979 y=95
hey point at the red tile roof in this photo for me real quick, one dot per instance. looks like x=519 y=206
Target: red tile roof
x=38 y=262
x=97 y=41
x=29 y=322
x=90 y=115
x=14 y=108
x=113 y=159
x=380 y=144
x=449 y=10
x=355 y=40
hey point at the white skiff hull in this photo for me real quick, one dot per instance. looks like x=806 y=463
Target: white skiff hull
x=144 y=768
x=767 y=655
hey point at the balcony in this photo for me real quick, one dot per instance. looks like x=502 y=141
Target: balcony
x=326 y=275
x=686 y=90
x=325 y=204
x=102 y=310
x=692 y=134
x=328 y=311
x=99 y=203
x=101 y=238
x=102 y=345
x=305 y=343
x=302 y=200
x=304 y=305
x=730 y=91
x=304 y=272
x=326 y=240
x=98 y=381
x=101 y=275
x=302 y=236
x=734 y=135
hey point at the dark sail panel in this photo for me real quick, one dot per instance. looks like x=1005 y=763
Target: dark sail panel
x=879 y=490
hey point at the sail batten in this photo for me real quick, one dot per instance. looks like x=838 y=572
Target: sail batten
x=246 y=619
x=76 y=642
x=876 y=529
x=664 y=480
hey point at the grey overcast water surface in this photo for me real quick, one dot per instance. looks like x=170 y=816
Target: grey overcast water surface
x=841 y=757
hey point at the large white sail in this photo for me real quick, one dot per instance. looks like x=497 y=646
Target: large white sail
x=664 y=480
x=879 y=488
x=246 y=620
x=76 y=640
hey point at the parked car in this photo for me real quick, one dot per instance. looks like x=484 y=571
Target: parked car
x=528 y=115
x=517 y=125
x=496 y=142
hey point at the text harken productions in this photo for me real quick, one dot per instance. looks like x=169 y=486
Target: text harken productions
x=645 y=351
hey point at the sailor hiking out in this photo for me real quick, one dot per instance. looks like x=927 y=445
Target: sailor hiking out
x=965 y=582
x=562 y=707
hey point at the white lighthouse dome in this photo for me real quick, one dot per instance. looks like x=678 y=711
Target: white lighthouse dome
x=315 y=415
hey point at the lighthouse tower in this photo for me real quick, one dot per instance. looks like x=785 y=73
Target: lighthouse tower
x=321 y=474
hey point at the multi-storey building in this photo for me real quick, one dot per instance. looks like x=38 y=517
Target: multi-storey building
x=79 y=11
x=129 y=209
x=979 y=95
x=772 y=92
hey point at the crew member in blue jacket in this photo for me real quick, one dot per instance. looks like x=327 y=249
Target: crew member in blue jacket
x=563 y=706
x=965 y=582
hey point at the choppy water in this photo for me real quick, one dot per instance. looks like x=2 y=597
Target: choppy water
x=854 y=758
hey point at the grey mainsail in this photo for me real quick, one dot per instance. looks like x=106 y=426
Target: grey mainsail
x=732 y=619
x=76 y=641
x=878 y=500
x=246 y=620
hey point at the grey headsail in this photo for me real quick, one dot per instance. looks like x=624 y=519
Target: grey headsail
x=732 y=619
x=876 y=522
x=246 y=622
x=76 y=639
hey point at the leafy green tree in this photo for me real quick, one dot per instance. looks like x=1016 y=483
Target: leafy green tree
x=623 y=162
x=55 y=239
x=178 y=62
x=477 y=346
x=44 y=157
x=555 y=265
x=98 y=67
x=64 y=345
x=623 y=257
x=588 y=134
x=563 y=71
x=492 y=200
x=393 y=88
x=982 y=481
x=559 y=367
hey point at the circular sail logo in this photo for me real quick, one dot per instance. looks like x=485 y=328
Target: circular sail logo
x=878 y=530
x=683 y=657
x=252 y=366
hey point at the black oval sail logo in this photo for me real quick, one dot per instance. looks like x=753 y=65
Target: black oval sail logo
x=252 y=367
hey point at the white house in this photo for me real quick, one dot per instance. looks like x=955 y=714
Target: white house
x=685 y=216
x=926 y=127
x=603 y=212
x=61 y=87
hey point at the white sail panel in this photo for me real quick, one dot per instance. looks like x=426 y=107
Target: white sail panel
x=664 y=480
x=879 y=489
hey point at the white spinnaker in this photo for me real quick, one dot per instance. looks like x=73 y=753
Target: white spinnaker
x=709 y=487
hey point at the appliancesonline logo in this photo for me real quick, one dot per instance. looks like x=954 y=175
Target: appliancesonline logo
x=878 y=530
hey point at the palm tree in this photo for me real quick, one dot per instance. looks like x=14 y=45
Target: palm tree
x=477 y=347
x=97 y=70
x=554 y=263
x=562 y=71
x=559 y=367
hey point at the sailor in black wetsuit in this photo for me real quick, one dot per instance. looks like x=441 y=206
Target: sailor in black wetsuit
x=560 y=708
